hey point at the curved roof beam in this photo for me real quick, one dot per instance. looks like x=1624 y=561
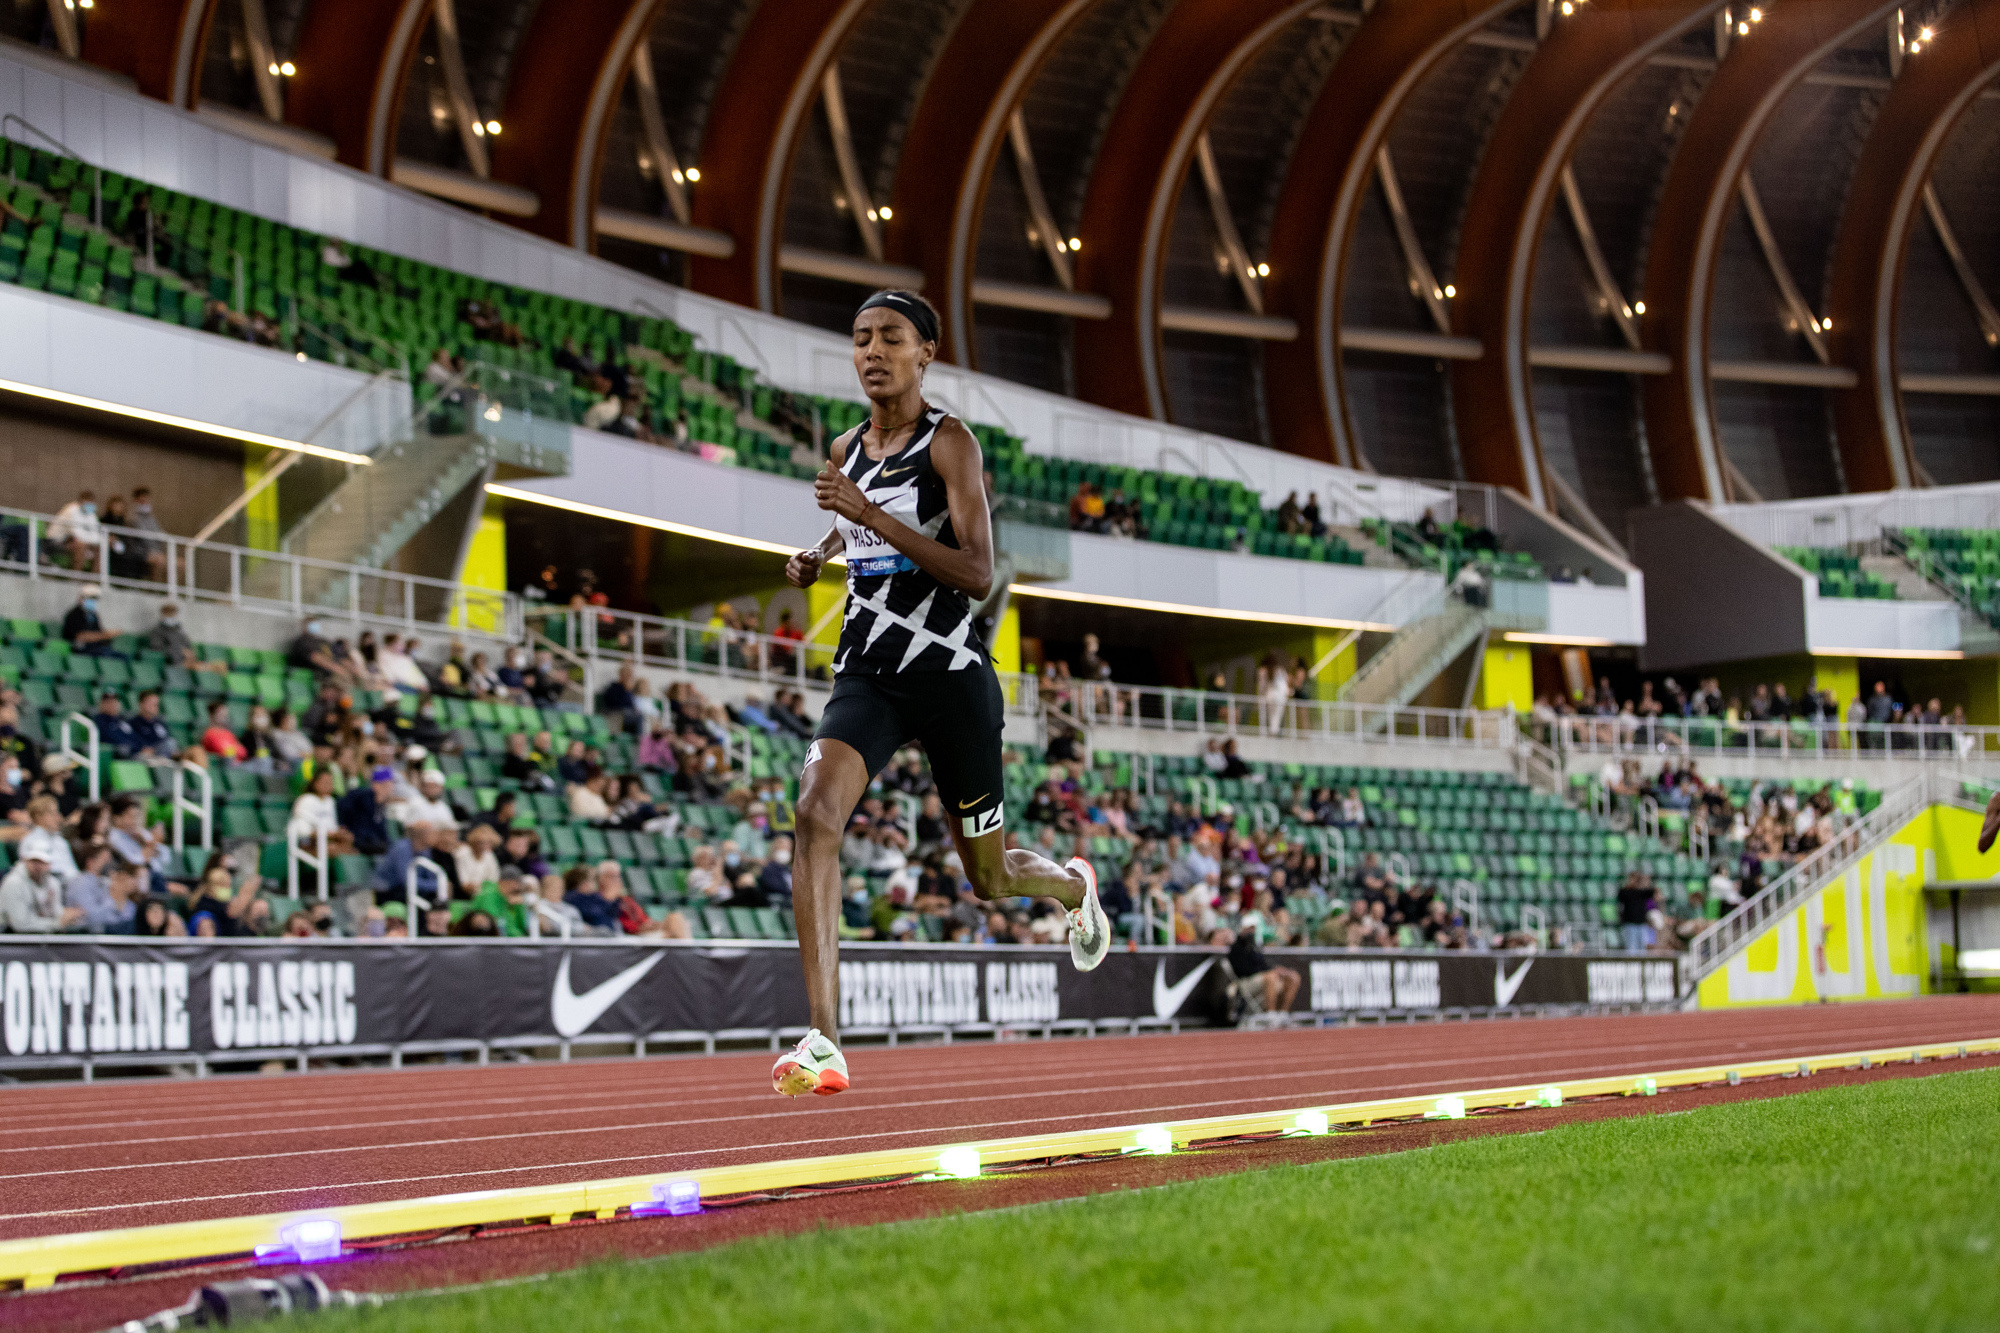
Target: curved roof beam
x=1319 y=208
x=354 y=60
x=1933 y=90
x=1584 y=58
x=956 y=139
x=1699 y=198
x=159 y=43
x=1128 y=212
x=561 y=97
x=765 y=99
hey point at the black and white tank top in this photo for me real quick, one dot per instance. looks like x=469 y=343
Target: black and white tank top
x=900 y=618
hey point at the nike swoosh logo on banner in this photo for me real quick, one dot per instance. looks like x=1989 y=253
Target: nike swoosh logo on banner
x=572 y=1013
x=1167 y=1000
x=1504 y=986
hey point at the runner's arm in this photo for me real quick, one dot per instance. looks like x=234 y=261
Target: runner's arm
x=1991 y=827
x=955 y=454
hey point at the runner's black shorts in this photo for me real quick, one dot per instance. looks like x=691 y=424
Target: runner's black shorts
x=956 y=716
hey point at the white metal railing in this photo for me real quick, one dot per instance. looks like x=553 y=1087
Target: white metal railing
x=202 y=809
x=86 y=759
x=1847 y=520
x=1101 y=704
x=1721 y=941
x=295 y=856
x=599 y=634
x=1695 y=737
x=1465 y=899
x=267 y=582
x=438 y=885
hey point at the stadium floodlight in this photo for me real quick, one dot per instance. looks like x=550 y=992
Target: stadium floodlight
x=1548 y=1097
x=306 y=1241
x=1157 y=1140
x=1448 y=1108
x=675 y=1198
x=1310 y=1122
x=961 y=1163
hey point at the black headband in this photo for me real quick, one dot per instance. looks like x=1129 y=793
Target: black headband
x=909 y=308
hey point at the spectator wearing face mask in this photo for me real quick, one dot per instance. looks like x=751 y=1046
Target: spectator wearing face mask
x=142 y=518
x=81 y=628
x=14 y=822
x=775 y=879
x=169 y=638
x=311 y=652
x=76 y=532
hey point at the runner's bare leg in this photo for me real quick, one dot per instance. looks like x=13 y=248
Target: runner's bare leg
x=830 y=786
x=995 y=872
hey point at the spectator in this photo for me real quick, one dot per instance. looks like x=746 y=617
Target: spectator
x=114 y=732
x=316 y=811
x=364 y=812
x=481 y=680
x=784 y=654
x=428 y=804
x=104 y=892
x=57 y=773
x=392 y=873
x=31 y=898
x=310 y=651
x=398 y=666
x=505 y=900
x=1635 y=903
x=500 y=818
x=150 y=739
x=125 y=558
x=168 y=638
x=137 y=845
x=528 y=765
x=478 y=863
x=13 y=745
x=289 y=745
x=581 y=892
x=45 y=840
x=775 y=879
x=77 y=533
x=143 y=519
x=218 y=739
x=620 y=700
x=1276 y=986
x=574 y=766
x=586 y=800
x=220 y=899
x=81 y=628
x=546 y=683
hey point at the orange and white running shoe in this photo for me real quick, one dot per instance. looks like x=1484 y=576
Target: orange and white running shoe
x=814 y=1065
x=1089 y=927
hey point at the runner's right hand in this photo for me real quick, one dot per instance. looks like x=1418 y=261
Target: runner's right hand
x=803 y=569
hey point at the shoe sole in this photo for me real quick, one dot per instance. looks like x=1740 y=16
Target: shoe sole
x=1104 y=920
x=795 y=1080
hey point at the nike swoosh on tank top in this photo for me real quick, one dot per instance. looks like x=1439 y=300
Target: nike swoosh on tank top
x=900 y=618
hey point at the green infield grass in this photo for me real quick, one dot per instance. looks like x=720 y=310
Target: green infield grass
x=1867 y=1207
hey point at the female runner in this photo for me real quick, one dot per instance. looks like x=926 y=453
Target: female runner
x=906 y=488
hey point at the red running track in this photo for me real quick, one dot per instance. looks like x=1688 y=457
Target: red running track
x=85 y=1157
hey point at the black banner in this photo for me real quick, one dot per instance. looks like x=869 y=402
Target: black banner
x=61 y=999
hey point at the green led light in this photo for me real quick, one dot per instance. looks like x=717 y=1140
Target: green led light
x=1548 y=1097
x=1155 y=1139
x=959 y=1163
x=1448 y=1108
x=1310 y=1122
x=1645 y=1087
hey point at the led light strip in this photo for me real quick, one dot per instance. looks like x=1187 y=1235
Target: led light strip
x=1899 y=654
x=1559 y=640
x=183 y=423
x=1018 y=589
x=39 y=1261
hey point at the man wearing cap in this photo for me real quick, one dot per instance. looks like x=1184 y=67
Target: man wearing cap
x=81 y=628
x=428 y=805
x=31 y=901
x=364 y=811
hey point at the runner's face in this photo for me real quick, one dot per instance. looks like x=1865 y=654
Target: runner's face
x=889 y=355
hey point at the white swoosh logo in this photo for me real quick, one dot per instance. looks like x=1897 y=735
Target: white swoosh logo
x=1167 y=1000
x=1504 y=986
x=572 y=1013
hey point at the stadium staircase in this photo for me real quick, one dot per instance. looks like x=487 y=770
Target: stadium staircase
x=371 y=515
x=1417 y=654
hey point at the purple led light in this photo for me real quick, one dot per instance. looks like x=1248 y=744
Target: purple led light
x=675 y=1198
x=307 y=1241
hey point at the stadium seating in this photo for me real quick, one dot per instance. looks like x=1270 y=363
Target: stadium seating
x=1519 y=847
x=1965 y=561
x=1839 y=572
x=204 y=251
